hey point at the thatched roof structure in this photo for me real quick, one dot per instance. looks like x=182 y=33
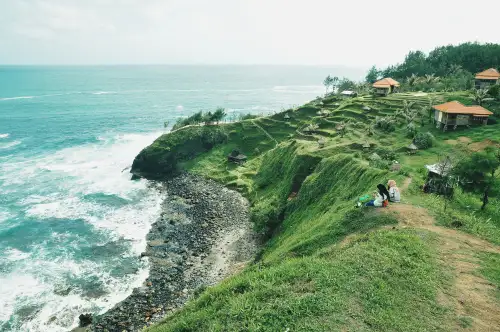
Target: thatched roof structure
x=412 y=147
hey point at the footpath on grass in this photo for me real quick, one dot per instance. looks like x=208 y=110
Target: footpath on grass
x=471 y=295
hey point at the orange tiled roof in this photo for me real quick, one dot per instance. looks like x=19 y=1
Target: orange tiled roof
x=385 y=83
x=455 y=107
x=489 y=74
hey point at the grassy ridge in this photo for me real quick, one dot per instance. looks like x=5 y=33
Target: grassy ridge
x=378 y=282
x=307 y=278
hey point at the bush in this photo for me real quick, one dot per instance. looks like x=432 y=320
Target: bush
x=411 y=130
x=247 y=116
x=386 y=154
x=405 y=171
x=385 y=124
x=382 y=164
x=423 y=140
x=494 y=91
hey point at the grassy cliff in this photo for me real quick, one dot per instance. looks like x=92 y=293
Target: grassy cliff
x=325 y=265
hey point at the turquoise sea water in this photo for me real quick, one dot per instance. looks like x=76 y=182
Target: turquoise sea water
x=72 y=224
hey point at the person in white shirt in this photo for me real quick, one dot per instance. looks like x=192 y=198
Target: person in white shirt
x=394 y=193
x=381 y=196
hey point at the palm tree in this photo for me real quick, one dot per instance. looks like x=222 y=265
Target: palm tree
x=335 y=82
x=429 y=79
x=219 y=114
x=407 y=111
x=431 y=101
x=454 y=68
x=480 y=96
x=328 y=81
x=412 y=80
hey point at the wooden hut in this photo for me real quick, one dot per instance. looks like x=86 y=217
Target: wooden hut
x=395 y=167
x=287 y=117
x=385 y=86
x=456 y=114
x=487 y=78
x=437 y=178
x=236 y=157
x=321 y=142
x=349 y=94
x=412 y=148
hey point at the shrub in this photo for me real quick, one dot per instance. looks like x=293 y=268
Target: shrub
x=386 y=154
x=423 y=140
x=382 y=164
x=247 y=116
x=405 y=171
x=411 y=130
x=494 y=91
x=385 y=124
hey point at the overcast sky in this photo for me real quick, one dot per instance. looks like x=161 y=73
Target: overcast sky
x=316 y=32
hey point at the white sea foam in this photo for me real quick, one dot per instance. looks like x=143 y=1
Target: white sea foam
x=16 y=287
x=13 y=254
x=4 y=215
x=73 y=173
x=15 y=98
x=103 y=92
x=4 y=135
x=9 y=145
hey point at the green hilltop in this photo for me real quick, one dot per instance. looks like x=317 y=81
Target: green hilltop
x=427 y=264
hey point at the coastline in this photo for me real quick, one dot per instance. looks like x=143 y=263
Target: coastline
x=202 y=236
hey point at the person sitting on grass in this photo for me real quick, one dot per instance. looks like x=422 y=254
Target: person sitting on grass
x=381 y=197
x=394 y=194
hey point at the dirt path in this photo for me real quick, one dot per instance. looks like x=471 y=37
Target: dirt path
x=471 y=295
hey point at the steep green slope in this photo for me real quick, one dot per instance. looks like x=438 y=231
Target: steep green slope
x=325 y=265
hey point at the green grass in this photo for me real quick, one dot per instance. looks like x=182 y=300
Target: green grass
x=490 y=269
x=305 y=279
x=376 y=283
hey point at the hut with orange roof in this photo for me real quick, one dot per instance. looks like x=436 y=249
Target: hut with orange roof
x=487 y=78
x=456 y=114
x=385 y=86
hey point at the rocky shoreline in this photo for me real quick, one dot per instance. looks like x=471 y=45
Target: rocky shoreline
x=203 y=235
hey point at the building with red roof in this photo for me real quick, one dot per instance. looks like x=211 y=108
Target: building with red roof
x=456 y=114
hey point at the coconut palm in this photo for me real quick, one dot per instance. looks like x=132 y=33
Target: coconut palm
x=328 y=81
x=412 y=80
x=219 y=114
x=429 y=79
x=431 y=100
x=407 y=111
x=480 y=96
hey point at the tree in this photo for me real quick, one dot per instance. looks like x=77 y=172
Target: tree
x=447 y=60
x=431 y=100
x=372 y=75
x=480 y=96
x=479 y=173
x=219 y=115
x=408 y=112
x=335 y=83
x=447 y=182
x=208 y=118
x=494 y=91
x=344 y=84
x=412 y=81
x=327 y=82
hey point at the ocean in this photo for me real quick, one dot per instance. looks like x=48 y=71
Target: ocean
x=72 y=224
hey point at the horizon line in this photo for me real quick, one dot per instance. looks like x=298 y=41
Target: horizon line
x=176 y=64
